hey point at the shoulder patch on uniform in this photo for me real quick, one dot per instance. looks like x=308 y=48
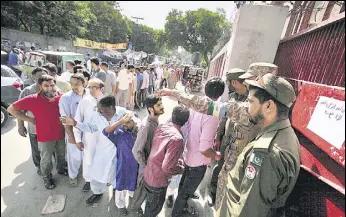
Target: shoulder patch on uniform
x=250 y=172
x=256 y=159
x=263 y=143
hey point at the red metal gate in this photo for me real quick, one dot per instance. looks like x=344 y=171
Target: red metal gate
x=315 y=55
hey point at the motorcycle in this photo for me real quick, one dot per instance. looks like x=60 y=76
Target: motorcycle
x=191 y=86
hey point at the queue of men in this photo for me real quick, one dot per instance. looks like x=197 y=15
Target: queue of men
x=250 y=136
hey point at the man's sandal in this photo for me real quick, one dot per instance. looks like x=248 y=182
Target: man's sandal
x=63 y=172
x=95 y=198
x=86 y=187
x=123 y=211
x=49 y=183
x=73 y=182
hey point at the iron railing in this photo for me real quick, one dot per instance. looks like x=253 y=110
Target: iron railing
x=316 y=54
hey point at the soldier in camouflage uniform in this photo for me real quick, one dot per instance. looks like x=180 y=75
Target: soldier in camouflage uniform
x=225 y=129
x=266 y=170
x=242 y=133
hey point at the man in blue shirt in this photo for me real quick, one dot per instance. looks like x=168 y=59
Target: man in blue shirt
x=13 y=59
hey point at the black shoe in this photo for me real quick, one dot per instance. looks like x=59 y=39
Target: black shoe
x=93 y=199
x=49 y=183
x=86 y=187
x=170 y=201
x=63 y=172
x=195 y=196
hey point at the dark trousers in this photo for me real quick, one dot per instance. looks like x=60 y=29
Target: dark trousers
x=36 y=155
x=140 y=194
x=36 y=158
x=189 y=183
x=155 y=199
x=151 y=89
x=47 y=150
x=216 y=172
x=141 y=96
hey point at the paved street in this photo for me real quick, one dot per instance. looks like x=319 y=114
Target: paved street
x=23 y=193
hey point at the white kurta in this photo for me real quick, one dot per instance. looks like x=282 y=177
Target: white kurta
x=104 y=161
x=68 y=105
x=86 y=107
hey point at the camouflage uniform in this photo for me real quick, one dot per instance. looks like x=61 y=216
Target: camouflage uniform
x=224 y=132
x=259 y=69
x=239 y=131
x=266 y=170
x=236 y=114
x=268 y=167
x=242 y=133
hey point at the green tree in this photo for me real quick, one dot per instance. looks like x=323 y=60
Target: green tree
x=54 y=18
x=195 y=31
x=107 y=24
x=98 y=21
x=225 y=37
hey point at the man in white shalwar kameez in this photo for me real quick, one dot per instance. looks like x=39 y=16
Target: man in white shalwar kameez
x=67 y=107
x=104 y=161
x=86 y=142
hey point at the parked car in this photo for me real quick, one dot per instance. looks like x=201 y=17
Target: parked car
x=19 y=70
x=11 y=86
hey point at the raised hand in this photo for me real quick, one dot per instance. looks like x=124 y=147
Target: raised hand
x=218 y=156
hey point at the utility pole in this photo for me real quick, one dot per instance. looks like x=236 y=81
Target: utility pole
x=134 y=34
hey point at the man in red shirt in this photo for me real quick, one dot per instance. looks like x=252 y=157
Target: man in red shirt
x=50 y=133
x=163 y=161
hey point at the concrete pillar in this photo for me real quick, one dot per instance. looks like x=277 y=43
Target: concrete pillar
x=255 y=35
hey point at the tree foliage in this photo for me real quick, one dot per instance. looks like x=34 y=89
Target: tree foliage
x=225 y=37
x=102 y=21
x=94 y=20
x=195 y=31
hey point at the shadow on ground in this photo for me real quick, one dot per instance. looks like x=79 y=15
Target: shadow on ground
x=18 y=196
x=26 y=196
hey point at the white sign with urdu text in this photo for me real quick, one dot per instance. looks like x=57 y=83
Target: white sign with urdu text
x=328 y=121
